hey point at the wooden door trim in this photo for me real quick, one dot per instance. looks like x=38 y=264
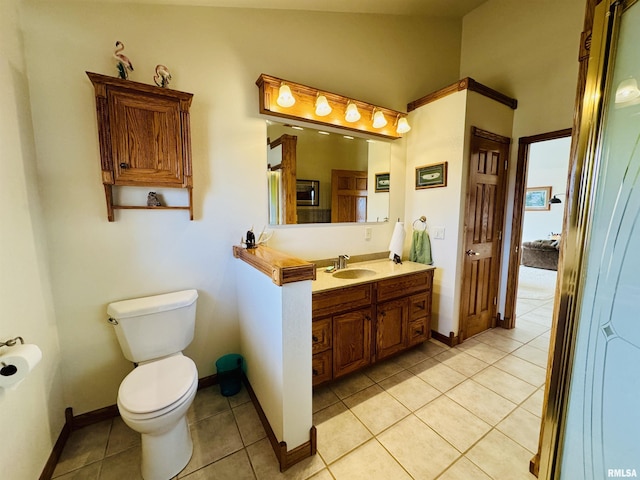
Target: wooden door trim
x=517 y=218
x=288 y=174
x=478 y=132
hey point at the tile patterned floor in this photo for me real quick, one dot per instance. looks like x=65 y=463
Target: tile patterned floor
x=462 y=413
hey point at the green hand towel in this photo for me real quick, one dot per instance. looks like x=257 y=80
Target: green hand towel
x=421 y=248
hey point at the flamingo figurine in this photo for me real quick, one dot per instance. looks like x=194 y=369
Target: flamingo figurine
x=124 y=63
x=162 y=76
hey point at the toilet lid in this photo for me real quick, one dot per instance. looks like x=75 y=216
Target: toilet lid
x=156 y=385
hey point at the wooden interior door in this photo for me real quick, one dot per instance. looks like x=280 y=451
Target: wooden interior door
x=348 y=196
x=484 y=216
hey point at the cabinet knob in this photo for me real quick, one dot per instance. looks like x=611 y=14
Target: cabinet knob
x=124 y=165
x=315 y=372
x=314 y=338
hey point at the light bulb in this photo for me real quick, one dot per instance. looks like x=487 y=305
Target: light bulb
x=378 y=119
x=403 y=125
x=352 y=115
x=322 y=106
x=285 y=98
x=627 y=90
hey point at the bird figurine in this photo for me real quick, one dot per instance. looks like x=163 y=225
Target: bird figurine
x=162 y=76
x=124 y=64
x=153 y=200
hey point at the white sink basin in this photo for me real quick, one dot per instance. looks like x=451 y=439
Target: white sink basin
x=351 y=273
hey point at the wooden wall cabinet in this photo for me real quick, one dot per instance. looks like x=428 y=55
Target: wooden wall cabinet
x=345 y=335
x=145 y=139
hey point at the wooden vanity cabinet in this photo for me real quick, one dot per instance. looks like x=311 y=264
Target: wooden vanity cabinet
x=341 y=331
x=144 y=136
x=345 y=336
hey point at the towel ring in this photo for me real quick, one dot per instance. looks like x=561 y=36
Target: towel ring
x=422 y=220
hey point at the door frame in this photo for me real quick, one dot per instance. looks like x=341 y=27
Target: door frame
x=522 y=167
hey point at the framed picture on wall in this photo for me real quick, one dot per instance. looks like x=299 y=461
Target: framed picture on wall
x=382 y=182
x=429 y=176
x=537 y=198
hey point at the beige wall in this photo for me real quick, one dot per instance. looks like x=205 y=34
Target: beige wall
x=216 y=54
x=32 y=415
x=529 y=51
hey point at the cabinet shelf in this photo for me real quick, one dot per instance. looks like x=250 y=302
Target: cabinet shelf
x=144 y=207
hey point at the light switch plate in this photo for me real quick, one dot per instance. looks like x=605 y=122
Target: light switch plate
x=367 y=233
x=438 y=233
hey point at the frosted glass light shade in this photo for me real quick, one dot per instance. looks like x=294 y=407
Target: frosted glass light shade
x=627 y=90
x=403 y=125
x=285 y=98
x=322 y=106
x=378 y=119
x=352 y=115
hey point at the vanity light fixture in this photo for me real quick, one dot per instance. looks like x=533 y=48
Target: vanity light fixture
x=402 y=126
x=352 y=115
x=322 y=106
x=285 y=98
x=378 y=118
x=627 y=90
x=309 y=107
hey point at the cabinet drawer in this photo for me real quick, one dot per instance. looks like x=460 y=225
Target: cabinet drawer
x=404 y=285
x=419 y=306
x=321 y=335
x=341 y=300
x=419 y=331
x=321 y=365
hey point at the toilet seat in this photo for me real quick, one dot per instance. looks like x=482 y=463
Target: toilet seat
x=155 y=388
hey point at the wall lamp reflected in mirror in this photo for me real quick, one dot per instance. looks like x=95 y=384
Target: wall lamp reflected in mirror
x=285 y=98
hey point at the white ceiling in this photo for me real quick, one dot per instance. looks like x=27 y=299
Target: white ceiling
x=439 y=8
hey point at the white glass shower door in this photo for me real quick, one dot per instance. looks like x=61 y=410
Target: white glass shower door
x=602 y=430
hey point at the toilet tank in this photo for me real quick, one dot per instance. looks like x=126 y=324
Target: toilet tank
x=154 y=327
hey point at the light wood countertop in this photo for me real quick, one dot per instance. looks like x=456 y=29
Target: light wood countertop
x=382 y=269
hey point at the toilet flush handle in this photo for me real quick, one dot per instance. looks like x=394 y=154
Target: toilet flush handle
x=113 y=321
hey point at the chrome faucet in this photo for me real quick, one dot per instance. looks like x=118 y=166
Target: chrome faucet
x=342 y=261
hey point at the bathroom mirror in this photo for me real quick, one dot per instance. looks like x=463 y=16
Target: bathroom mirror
x=318 y=176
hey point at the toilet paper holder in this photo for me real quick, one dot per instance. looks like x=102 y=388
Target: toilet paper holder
x=12 y=342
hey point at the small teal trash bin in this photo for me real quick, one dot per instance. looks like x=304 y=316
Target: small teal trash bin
x=229 y=369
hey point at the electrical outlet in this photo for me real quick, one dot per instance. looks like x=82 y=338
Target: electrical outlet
x=438 y=233
x=367 y=233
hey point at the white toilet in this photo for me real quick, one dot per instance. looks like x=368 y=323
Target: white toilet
x=154 y=398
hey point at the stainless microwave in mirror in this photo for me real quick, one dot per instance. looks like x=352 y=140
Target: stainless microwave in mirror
x=317 y=176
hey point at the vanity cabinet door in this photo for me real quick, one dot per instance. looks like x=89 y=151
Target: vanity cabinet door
x=351 y=341
x=419 y=318
x=321 y=367
x=391 y=327
x=321 y=335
